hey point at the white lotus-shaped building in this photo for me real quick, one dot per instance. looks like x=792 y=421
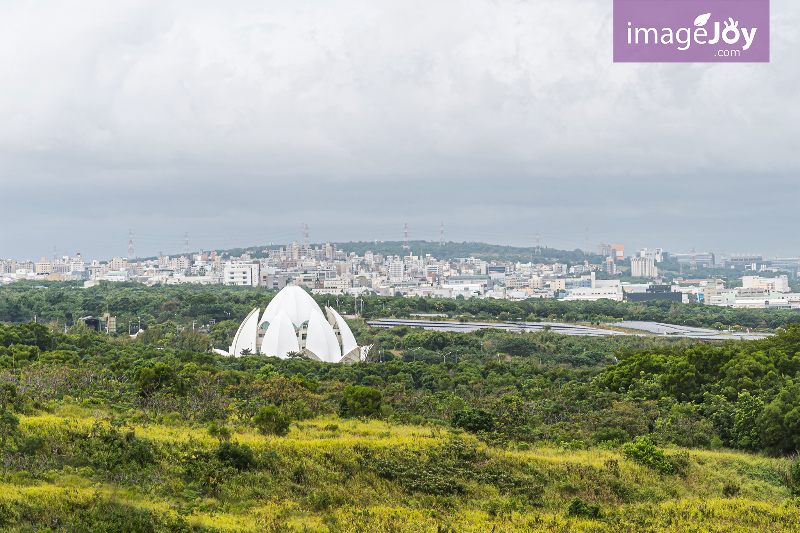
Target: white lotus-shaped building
x=293 y=322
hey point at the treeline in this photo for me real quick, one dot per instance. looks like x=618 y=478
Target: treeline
x=192 y=306
x=502 y=386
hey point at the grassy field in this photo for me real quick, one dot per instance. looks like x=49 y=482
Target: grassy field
x=90 y=470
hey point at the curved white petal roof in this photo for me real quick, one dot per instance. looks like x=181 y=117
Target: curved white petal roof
x=284 y=320
x=298 y=304
x=280 y=338
x=348 y=340
x=321 y=340
x=246 y=335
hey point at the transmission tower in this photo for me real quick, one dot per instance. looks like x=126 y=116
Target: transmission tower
x=441 y=235
x=538 y=246
x=130 y=246
x=186 y=243
x=405 y=239
x=587 y=240
x=694 y=262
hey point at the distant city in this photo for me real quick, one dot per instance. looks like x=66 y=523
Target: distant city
x=328 y=270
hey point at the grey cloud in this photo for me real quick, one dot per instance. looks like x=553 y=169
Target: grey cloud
x=500 y=117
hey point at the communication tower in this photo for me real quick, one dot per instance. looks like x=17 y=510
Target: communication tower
x=304 y=228
x=186 y=243
x=538 y=246
x=694 y=262
x=131 y=255
x=405 y=239
x=441 y=235
x=587 y=240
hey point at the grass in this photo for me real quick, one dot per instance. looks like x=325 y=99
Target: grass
x=322 y=477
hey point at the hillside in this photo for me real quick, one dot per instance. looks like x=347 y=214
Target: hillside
x=516 y=432
x=99 y=471
x=448 y=250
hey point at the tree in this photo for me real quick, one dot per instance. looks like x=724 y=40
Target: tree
x=358 y=400
x=745 y=421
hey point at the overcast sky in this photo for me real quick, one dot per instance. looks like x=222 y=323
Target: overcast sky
x=238 y=121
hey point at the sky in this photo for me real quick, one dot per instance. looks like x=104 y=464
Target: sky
x=236 y=122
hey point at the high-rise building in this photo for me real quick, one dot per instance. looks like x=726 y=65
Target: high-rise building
x=643 y=267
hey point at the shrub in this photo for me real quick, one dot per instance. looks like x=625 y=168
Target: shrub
x=473 y=420
x=271 y=421
x=731 y=489
x=643 y=451
x=618 y=435
x=578 y=507
x=31 y=445
x=358 y=400
x=106 y=448
x=238 y=456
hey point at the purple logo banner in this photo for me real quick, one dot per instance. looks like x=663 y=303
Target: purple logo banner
x=691 y=31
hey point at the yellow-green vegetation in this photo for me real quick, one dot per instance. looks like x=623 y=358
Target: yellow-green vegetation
x=95 y=471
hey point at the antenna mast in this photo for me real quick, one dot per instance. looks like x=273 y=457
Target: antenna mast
x=131 y=255
x=587 y=239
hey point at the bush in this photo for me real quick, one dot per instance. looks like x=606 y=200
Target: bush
x=578 y=507
x=473 y=420
x=106 y=448
x=235 y=455
x=358 y=400
x=271 y=421
x=643 y=451
x=731 y=489
x=611 y=435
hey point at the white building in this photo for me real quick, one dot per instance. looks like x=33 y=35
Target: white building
x=396 y=271
x=779 y=284
x=656 y=255
x=610 y=289
x=643 y=267
x=294 y=323
x=244 y=274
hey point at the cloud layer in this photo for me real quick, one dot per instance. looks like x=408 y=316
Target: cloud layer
x=238 y=122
